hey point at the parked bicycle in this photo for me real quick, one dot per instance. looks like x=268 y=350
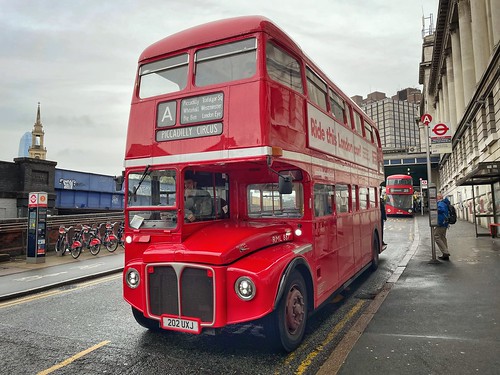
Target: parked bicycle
x=107 y=237
x=119 y=231
x=77 y=244
x=62 y=240
x=90 y=239
x=83 y=238
x=66 y=242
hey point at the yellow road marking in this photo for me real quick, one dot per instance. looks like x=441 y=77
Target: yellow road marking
x=74 y=358
x=57 y=292
x=331 y=335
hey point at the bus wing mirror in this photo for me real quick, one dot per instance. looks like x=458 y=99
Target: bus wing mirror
x=285 y=185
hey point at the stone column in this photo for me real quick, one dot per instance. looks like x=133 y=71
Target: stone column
x=452 y=102
x=480 y=37
x=440 y=109
x=446 y=99
x=457 y=72
x=468 y=69
x=493 y=14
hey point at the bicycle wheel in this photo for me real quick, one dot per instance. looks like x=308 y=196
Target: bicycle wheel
x=94 y=249
x=112 y=244
x=76 y=251
x=59 y=245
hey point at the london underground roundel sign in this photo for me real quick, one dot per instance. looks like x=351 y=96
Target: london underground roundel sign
x=440 y=129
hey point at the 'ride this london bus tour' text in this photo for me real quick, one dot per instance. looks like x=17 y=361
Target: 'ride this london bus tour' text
x=251 y=183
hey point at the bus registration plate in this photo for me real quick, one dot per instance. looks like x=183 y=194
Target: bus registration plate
x=179 y=324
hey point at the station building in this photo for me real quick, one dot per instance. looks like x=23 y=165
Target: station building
x=460 y=75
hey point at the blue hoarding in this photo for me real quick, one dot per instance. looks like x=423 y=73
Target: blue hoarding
x=87 y=191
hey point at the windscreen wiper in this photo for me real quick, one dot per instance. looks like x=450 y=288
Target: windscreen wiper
x=144 y=174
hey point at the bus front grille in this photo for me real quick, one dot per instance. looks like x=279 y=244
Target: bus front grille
x=195 y=286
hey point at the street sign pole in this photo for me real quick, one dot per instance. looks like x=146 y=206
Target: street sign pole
x=421 y=199
x=426 y=119
x=427 y=153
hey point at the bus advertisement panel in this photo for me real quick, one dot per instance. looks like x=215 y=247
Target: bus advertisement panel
x=251 y=183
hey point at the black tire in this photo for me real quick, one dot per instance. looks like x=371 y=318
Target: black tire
x=375 y=253
x=76 y=251
x=63 y=245
x=60 y=245
x=151 y=324
x=285 y=327
x=121 y=240
x=94 y=249
x=111 y=245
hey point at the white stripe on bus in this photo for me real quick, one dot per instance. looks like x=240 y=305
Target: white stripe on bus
x=242 y=153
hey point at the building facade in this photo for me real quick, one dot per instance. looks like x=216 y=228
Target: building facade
x=396 y=122
x=460 y=75
x=401 y=137
x=24 y=145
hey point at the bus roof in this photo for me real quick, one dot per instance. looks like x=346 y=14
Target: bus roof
x=214 y=31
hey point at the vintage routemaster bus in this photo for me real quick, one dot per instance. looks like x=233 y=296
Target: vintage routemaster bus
x=399 y=195
x=251 y=183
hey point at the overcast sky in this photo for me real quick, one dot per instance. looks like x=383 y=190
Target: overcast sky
x=78 y=59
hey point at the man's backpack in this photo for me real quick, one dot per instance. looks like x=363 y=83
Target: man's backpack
x=452 y=214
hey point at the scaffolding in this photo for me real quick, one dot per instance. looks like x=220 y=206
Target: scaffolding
x=427 y=25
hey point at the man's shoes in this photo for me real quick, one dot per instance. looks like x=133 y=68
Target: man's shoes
x=444 y=257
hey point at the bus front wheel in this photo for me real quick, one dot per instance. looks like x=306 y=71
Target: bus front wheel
x=285 y=327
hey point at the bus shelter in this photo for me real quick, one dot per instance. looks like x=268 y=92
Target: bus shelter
x=485 y=173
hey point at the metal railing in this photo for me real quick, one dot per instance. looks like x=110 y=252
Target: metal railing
x=13 y=232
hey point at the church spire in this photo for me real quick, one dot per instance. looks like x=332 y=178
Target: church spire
x=38 y=114
x=37 y=150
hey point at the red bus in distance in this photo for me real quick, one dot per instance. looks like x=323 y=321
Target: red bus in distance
x=251 y=183
x=399 y=195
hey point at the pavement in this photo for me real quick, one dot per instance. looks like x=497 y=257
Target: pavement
x=430 y=317
x=19 y=278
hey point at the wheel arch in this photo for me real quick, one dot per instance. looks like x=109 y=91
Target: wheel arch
x=301 y=265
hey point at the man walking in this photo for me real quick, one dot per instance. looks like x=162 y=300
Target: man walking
x=440 y=230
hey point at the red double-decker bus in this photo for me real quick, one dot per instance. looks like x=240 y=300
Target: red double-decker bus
x=251 y=183
x=399 y=195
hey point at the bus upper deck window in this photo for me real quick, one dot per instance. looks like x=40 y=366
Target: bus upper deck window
x=227 y=62
x=163 y=77
x=283 y=68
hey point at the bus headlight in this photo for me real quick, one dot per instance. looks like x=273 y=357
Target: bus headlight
x=128 y=239
x=245 y=288
x=132 y=278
